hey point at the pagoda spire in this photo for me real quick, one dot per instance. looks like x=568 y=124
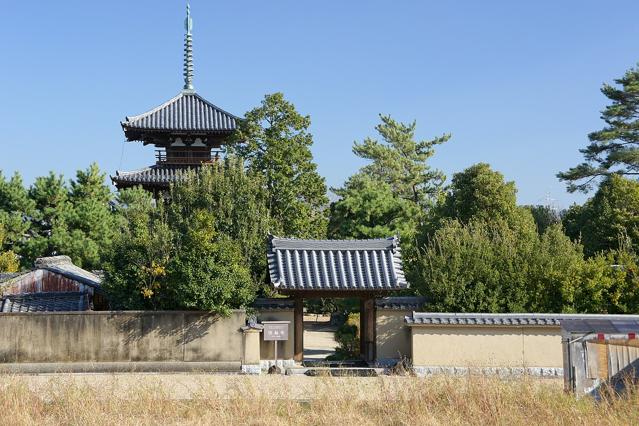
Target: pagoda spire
x=188 y=51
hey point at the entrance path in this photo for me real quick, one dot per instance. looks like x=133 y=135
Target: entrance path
x=319 y=337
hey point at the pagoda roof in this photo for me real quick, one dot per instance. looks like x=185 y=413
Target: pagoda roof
x=155 y=175
x=187 y=112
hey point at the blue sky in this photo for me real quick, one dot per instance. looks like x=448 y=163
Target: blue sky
x=516 y=83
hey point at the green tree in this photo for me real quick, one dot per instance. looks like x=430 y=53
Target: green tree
x=16 y=210
x=51 y=198
x=85 y=230
x=609 y=283
x=479 y=193
x=8 y=259
x=544 y=216
x=370 y=209
x=199 y=251
x=489 y=266
x=402 y=162
x=390 y=195
x=482 y=252
x=238 y=200
x=615 y=148
x=136 y=266
x=75 y=220
x=275 y=141
x=608 y=217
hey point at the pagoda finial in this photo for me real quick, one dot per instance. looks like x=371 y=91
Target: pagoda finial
x=188 y=51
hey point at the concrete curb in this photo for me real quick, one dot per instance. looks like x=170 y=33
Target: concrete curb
x=119 y=367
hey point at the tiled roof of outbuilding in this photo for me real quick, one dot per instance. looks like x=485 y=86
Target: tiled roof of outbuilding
x=45 y=302
x=273 y=304
x=60 y=265
x=187 y=112
x=6 y=276
x=64 y=266
x=336 y=264
x=400 y=302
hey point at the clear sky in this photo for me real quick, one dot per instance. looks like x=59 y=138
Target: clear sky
x=516 y=83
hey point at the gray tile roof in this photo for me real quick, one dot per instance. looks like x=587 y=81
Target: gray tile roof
x=400 y=303
x=157 y=175
x=6 y=276
x=187 y=112
x=515 y=319
x=274 y=304
x=617 y=324
x=336 y=264
x=46 y=302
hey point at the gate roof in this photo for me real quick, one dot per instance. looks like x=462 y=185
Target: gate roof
x=336 y=265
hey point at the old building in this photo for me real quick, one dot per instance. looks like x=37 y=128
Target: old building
x=188 y=132
x=54 y=284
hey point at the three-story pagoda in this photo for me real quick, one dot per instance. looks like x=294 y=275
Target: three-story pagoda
x=187 y=131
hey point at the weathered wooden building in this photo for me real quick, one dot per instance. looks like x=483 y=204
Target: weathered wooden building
x=54 y=284
x=600 y=352
x=188 y=132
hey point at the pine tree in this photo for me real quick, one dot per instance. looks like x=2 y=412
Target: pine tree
x=392 y=193
x=615 y=148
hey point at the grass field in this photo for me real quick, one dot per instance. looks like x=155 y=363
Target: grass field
x=267 y=400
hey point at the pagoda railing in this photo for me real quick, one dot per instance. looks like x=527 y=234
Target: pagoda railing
x=185 y=157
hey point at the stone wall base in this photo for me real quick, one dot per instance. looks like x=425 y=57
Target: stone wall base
x=550 y=372
x=281 y=363
x=252 y=369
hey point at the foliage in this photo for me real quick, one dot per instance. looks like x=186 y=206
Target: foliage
x=401 y=161
x=347 y=338
x=321 y=306
x=483 y=253
x=8 y=259
x=202 y=250
x=610 y=283
x=488 y=266
x=135 y=271
x=609 y=217
x=16 y=209
x=237 y=199
x=370 y=209
x=52 y=218
x=544 y=216
x=615 y=148
x=275 y=141
x=480 y=193
x=389 y=195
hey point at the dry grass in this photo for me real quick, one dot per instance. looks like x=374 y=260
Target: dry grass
x=145 y=399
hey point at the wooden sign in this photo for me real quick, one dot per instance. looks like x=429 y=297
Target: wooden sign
x=275 y=330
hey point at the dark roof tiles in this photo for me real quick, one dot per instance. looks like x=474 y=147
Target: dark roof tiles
x=155 y=174
x=400 y=303
x=336 y=264
x=45 y=302
x=187 y=112
x=514 y=319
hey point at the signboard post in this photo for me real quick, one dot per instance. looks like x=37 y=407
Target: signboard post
x=275 y=331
